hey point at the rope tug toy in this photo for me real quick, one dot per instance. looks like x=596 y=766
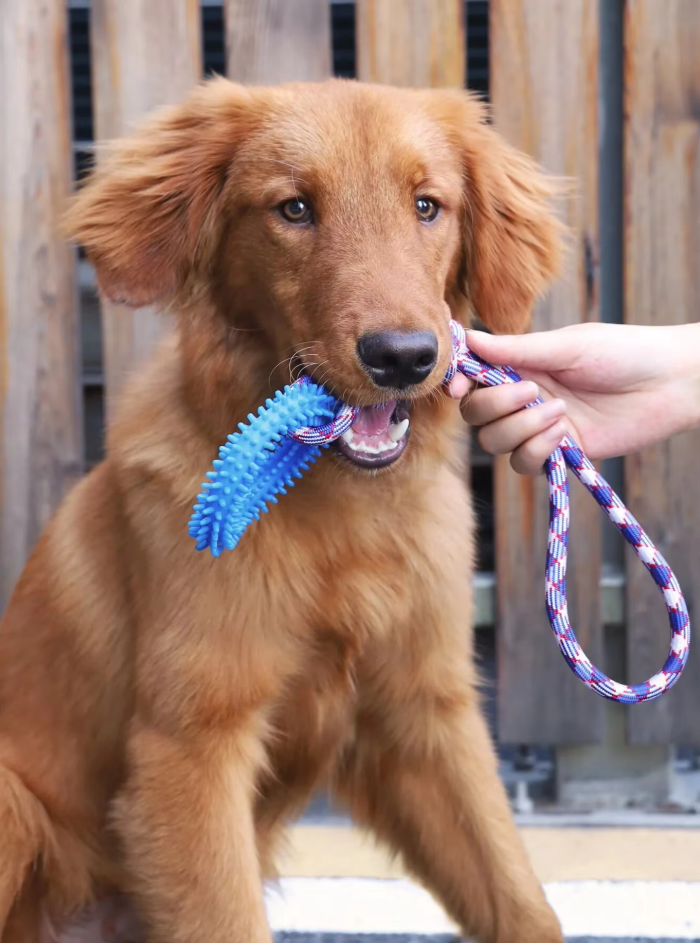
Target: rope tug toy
x=275 y=447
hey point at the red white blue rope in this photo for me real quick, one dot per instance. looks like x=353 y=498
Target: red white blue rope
x=569 y=454
x=329 y=431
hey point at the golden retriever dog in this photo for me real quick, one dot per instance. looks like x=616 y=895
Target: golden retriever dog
x=163 y=714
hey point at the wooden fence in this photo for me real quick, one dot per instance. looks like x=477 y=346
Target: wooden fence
x=546 y=91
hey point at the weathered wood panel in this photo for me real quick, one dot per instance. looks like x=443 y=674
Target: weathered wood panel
x=662 y=286
x=274 y=41
x=145 y=53
x=411 y=42
x=544 y=65
x=40 y=416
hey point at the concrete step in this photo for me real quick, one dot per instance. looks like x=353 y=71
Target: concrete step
x=358 y=910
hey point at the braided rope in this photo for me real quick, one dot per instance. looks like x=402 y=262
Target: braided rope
x=272 y=451
x=570 y=454
x=329 y=431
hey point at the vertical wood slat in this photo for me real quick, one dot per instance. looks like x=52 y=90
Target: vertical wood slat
x=40 y=414
x=274 y=41
x=411 y=42
x=544 y=64
x=145 y=53
x=662 y=286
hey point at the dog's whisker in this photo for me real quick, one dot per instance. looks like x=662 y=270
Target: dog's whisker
x=325 y=373
x=309 y=345
x=276 y=367
x=317 y=366
x=302 y=350
x=289 y=360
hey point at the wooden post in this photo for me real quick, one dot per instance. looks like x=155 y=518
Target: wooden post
x=419 y=43
x=40 y=414
x=544 y=65
x=145 y=53
x=662 y=286
x=274 y=41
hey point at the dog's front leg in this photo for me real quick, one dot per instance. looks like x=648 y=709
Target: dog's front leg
x=422 y=775
x=185 y=818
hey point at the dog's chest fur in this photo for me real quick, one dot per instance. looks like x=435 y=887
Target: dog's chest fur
x=356 y=589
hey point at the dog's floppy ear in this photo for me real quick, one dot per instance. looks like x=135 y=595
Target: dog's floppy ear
x=513 y=239
x=150 y=203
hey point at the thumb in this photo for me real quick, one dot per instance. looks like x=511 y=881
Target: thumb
x=546 y=350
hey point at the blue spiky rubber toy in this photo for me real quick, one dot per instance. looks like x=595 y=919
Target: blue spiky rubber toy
x=269 y=453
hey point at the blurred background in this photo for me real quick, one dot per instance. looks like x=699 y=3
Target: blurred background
x=606 y=92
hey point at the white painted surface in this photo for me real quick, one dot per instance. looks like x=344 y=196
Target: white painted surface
x=639 y=909
x=359 y=905
x=586 y=908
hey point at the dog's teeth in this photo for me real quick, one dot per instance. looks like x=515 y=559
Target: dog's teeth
x=386 y=444
x=398 y=431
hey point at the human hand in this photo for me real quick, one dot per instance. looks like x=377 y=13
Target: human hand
x=615 y=388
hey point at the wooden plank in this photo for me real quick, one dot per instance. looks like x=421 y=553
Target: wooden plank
x=418 y=43
x=40 y=414
x=145 y=53
x=273 y=41
x=662 y=286
x=544 y=65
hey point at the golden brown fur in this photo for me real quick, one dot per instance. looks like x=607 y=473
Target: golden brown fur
x=162 y=713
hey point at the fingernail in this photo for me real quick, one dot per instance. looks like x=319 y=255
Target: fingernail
x=553 y=408
x=529 y=391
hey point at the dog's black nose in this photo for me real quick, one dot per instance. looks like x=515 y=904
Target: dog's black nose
x=398 y=360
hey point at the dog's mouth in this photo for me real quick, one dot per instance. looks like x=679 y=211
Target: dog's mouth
x=378 y=436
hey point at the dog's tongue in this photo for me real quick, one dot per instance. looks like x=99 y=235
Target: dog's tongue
x=374 y=420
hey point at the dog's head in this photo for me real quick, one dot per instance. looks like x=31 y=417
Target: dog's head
x=344 y=223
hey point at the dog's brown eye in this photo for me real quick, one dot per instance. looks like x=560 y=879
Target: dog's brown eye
x=296 y=211
x=426 y=208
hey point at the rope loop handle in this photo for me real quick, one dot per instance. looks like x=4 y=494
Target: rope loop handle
x=569 y=453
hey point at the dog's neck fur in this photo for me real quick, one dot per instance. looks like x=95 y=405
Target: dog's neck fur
x=227 y=371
